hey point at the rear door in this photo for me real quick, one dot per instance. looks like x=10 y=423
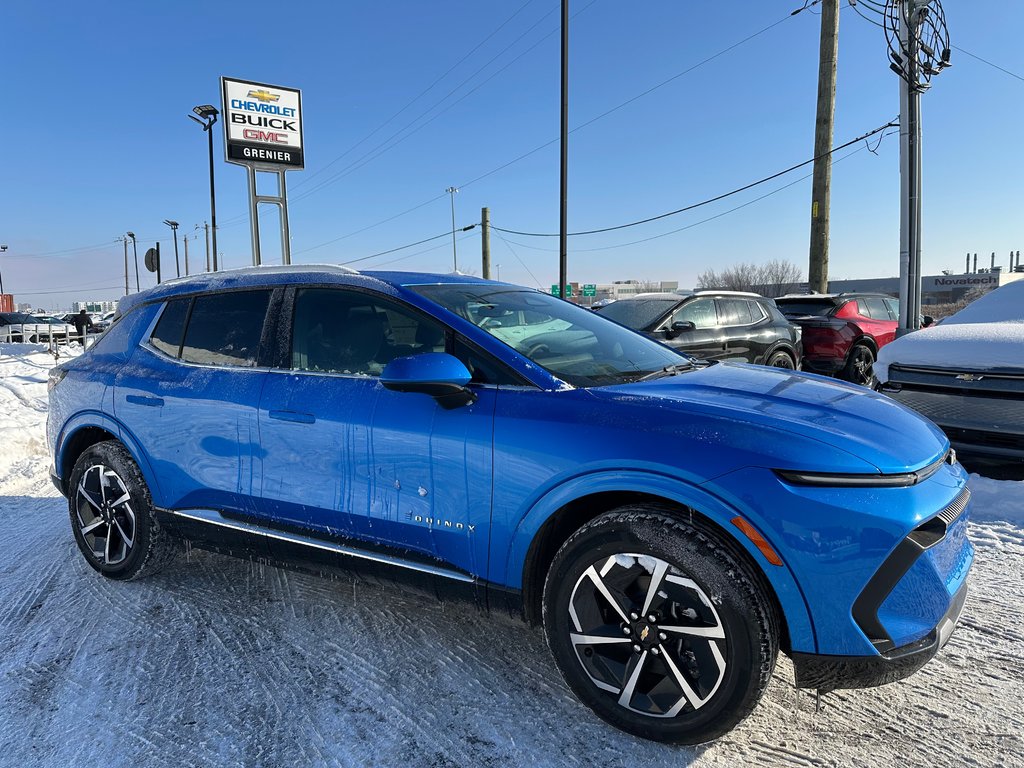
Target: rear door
x=190 y=393
x=749 y=332
x=874 y=317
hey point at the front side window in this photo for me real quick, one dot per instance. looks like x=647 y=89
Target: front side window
x=355 y=333
x=225 y=328
x=700 y=312
x=575 y=344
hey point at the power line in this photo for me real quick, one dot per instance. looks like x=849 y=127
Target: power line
x=704 y=202
x=512 y=251
x=419 y=96
x=710 y=218
x=409 y=245
x=384 y=146
x=986 y=61
x=418 y=253
x=614 y=109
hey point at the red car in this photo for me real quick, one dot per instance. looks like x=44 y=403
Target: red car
x=843 y=332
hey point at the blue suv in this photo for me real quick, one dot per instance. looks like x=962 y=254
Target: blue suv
x=673 y=525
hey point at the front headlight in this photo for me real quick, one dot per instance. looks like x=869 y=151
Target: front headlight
x=834 y=480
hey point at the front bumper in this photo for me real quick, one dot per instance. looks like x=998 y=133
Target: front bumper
x=827 y=673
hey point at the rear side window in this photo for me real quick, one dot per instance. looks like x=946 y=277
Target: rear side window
x=225 y=329
x=171 y=327
x=735 y=312
x=874 y=308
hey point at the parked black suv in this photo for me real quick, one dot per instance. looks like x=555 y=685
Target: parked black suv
x=714 y=325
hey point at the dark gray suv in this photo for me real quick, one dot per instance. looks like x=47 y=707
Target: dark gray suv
x=714 y=325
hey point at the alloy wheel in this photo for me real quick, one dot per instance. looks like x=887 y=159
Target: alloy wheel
x=647 y=635
x=105 y=516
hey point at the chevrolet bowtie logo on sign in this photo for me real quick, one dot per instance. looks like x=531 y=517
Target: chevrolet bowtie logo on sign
x=262 y=125
x=264 y=96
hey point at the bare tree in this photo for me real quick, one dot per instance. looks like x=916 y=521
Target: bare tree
x=773 y=278
x=647 y=286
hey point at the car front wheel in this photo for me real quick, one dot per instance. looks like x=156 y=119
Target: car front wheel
x=658 y=627
x=112 y=515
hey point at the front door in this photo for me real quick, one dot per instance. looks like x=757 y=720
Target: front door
x=342 y=456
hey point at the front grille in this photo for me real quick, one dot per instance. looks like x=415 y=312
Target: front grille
x=955 y=508
x=987 y=439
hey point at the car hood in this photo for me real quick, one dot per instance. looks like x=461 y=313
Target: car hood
x=849 y=418
x=957 y=347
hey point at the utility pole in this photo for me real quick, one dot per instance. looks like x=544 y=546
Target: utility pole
x=125 y=241
x=485 y=243
x=821 y=193
x=563 y=214
x=919 y=49
x=206 y=228
x=186 y=255
x=455 y=255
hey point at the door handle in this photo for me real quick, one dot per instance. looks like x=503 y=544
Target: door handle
x=154 y=402
x=299 y=418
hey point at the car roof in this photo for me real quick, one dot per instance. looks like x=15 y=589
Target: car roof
x=272 y=275
x=729 y=293
x=833 y=296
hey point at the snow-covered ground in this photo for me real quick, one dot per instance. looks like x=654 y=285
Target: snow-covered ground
x=217 y=662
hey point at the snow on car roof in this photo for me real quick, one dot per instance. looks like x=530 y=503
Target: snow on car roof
x=1003 y=305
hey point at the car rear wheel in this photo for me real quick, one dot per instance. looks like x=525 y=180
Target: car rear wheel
x=658 y=627
x=860 y=366
x=112 y=515
x=781 y=360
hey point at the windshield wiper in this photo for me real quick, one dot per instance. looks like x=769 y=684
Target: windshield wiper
x=668 y=370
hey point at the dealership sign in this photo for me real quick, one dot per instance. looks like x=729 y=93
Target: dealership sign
x=262 y=125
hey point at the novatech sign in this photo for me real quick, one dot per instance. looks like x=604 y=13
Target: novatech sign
x=962 y=281
x=262 y=124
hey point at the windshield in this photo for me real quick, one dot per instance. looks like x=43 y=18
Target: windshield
x=638 y=314
x=574 y=344
x=800 y=307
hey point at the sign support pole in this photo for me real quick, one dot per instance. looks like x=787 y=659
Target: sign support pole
x=254 y=217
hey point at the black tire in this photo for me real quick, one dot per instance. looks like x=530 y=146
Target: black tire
x=781 y=359
x=119 y=537
x=727 y=669
x=860 y=366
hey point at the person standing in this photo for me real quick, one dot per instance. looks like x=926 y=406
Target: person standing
x=82 y=325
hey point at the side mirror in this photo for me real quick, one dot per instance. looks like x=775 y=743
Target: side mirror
x=437 y=374
x=927 y=321
x=681 y=326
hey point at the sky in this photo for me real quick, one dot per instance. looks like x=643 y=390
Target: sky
x=402 y=100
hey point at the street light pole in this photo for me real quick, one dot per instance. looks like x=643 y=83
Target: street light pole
x=135 y=250
x=563 y=213
x=3 y=249
x=209 y=113
x=455 y=256
x=174 y=228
